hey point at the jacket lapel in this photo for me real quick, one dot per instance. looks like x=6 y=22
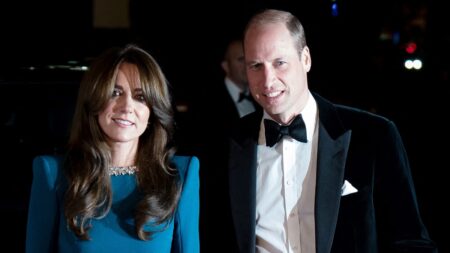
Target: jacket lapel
x=242 y=178
x=334 y=141
x=330 y=177
x=243 y=195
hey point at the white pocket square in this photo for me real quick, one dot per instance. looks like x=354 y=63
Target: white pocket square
x=348 y=188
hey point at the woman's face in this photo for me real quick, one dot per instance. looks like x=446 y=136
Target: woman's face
x=126 y=115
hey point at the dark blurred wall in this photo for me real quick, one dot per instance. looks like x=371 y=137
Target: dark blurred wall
x=41 y=31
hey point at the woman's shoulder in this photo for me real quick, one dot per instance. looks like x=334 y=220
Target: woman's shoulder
x=47 y=167
x=186 y=165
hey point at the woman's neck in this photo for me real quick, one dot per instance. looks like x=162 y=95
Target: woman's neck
x=123 y=153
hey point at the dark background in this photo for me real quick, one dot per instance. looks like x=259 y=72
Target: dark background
x=357 y=59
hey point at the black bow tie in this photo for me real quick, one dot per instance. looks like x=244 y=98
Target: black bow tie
x=274 y=132
x=244 y=95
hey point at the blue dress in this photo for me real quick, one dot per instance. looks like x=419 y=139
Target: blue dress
x=47 y=229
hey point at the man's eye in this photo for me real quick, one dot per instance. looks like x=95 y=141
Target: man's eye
x=255 y=66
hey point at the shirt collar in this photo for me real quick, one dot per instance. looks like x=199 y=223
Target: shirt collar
x=308 y=113
x=233 y=89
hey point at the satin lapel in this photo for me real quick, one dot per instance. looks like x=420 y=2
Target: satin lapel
x=331 y=159
x=243 y=192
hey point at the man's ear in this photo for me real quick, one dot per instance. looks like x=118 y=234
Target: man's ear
x=306 y=58
x=224 y=65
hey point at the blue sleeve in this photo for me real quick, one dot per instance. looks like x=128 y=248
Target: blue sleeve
x=43 y=213
x=186 y=233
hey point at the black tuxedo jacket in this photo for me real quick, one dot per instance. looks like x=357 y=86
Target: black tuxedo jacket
x=354 y=145
x=214 y=114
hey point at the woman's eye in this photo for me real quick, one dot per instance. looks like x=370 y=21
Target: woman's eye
x=116 y=93
x=140 y=97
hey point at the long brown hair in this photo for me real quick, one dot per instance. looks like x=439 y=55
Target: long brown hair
x=89 y=194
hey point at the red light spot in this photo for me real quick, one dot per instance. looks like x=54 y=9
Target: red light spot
x=411 y=47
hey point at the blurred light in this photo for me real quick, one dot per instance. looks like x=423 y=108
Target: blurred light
x=334 y=9
x=408 y=64
x=417 y=64
x=79 y=68
x=411 y=47
x=69 y=67
x=385 y=35
x=395 y=38
x=413 y=64
x=182 y=107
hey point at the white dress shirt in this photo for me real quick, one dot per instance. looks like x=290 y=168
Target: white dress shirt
x=285 y=189
x=245 y=106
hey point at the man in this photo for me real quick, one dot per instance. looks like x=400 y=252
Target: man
x=337 y=182
x=235 y=81
x=215 y=111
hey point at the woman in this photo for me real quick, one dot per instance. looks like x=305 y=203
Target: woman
x=119 y=188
